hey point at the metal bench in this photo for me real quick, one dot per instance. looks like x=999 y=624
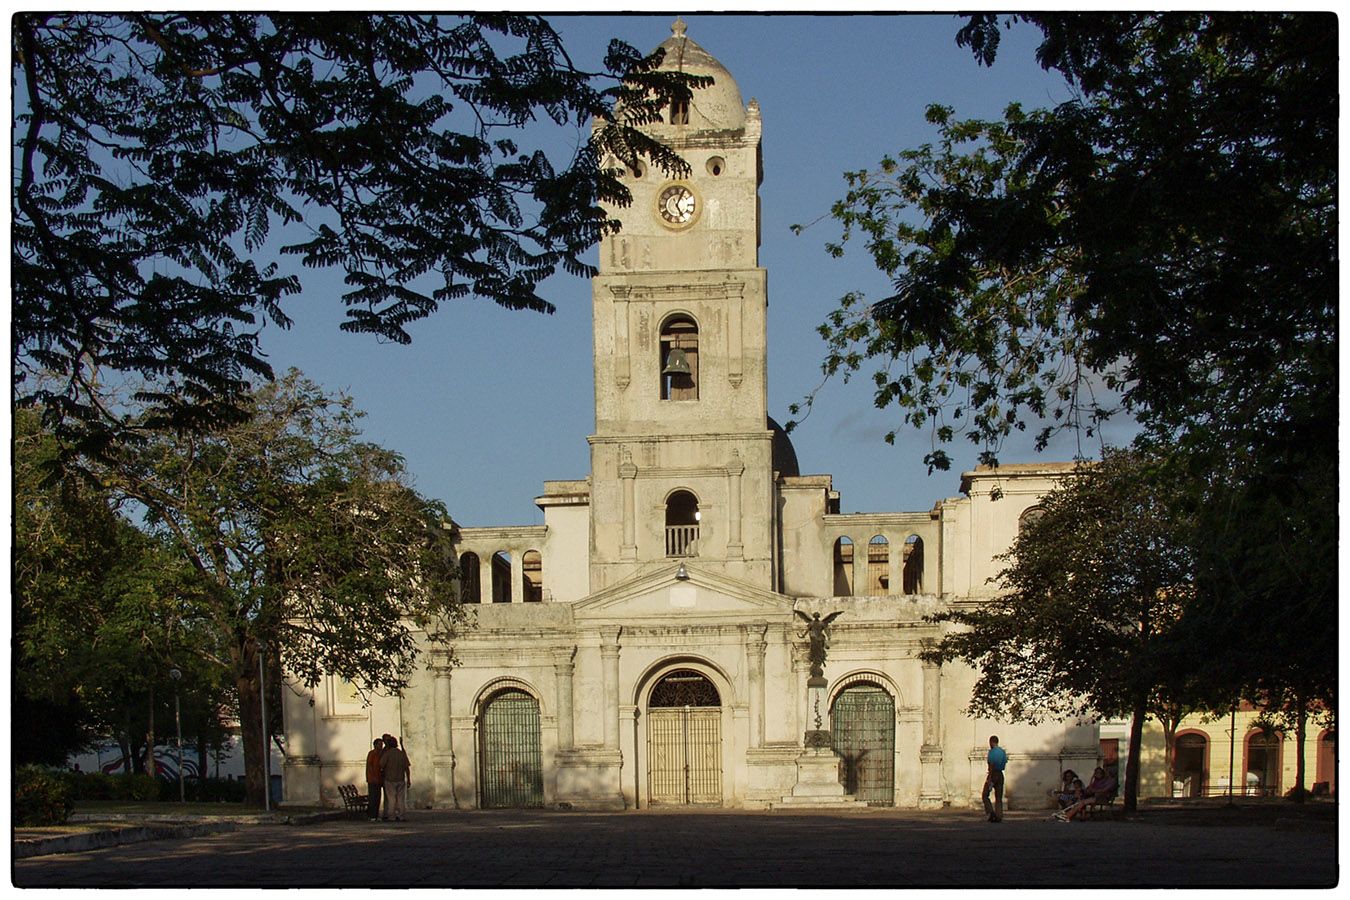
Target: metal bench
x=1099 y=804
x=355 y=803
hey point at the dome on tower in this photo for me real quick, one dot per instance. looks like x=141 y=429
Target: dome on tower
x=718 y=106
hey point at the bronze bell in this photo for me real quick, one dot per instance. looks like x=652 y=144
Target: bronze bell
x=676 y=363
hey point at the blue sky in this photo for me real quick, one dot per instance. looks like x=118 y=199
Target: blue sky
x=486 y=403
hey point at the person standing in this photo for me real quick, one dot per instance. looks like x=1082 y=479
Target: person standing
x=998 y=761
x=396 y=771
x=373 y=779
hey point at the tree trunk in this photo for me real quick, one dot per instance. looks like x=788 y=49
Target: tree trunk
x=125 y=743
x=150 y=768
x=1169 y=726
x=251 y=725
x=1130 y=799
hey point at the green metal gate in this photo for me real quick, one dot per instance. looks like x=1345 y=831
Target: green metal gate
x=684 y=741
x=512 y=770
x=863 y=731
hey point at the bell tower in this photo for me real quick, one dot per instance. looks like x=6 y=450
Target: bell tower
x=682 y=461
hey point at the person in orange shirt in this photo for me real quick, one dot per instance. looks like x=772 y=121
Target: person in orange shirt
x=374 y=780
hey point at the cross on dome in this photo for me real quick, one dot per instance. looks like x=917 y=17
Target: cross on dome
x=677 y=27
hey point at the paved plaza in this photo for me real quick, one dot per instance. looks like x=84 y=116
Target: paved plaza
x=877 y=848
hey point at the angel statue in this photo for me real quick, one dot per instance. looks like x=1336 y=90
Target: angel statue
x=815 y=633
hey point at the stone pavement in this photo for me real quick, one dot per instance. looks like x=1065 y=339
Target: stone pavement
x=716 y=848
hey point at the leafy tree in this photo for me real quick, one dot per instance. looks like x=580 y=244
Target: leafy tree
x=1088 y=622
x=1169 y=233
x=98 y=616
x=306 y=545
x=157 y=153
x=1164 y=243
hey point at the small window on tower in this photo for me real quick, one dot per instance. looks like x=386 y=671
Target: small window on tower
x=679 y=359
x=679 y=112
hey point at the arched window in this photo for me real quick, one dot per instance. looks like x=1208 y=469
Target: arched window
x=1028 y=516
x=682 y=520
x=843 y=567
x=1326 y=761
x=501 y=577
x=532 y=565
x=913 y=576
x=878 y=566
x=470 y=579
x=679 y=112
x=679 y=359
x=1263 y=763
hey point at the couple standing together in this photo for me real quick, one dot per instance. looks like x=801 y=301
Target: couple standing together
x=387 y=767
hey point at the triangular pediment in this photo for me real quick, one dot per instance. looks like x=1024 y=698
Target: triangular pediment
x=663 y=594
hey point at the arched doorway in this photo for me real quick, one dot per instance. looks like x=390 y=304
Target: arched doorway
x=862 y=728
x=1190 y=767
x=684 y=740
x=511 y=770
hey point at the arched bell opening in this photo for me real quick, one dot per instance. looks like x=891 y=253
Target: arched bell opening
x=501 y=577
x=679 y=358
x=532 y=572
x=843 y=567
x=682 y=523
x=470 y=579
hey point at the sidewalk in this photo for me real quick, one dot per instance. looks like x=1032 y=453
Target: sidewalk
x=96 y=831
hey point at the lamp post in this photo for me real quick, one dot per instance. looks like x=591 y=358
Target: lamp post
x=175 y=675
x=266 y=757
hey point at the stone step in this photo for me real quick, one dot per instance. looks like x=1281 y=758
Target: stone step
x=817 y=803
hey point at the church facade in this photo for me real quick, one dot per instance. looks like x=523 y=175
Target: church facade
x=646 y=645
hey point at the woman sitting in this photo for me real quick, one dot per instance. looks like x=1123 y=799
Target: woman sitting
x=1068 y=794
x=1099 y=789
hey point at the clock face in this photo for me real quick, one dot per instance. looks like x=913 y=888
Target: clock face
x=677 y=205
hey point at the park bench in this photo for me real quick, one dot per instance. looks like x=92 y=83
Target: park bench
x=1099 y=804
x=355 y=803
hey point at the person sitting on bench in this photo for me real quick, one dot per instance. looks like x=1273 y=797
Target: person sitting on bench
x=1098 y=790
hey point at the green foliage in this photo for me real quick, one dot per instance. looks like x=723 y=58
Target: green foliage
x=41 y=797
x=1163 y=243
x=1129 y=242
x=298 y=538
x=163 y=160
x=139 y=787
x=1087 y=622
x=98 y=614
x=1091 y=616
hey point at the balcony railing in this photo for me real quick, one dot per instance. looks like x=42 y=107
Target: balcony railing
x=680 y=539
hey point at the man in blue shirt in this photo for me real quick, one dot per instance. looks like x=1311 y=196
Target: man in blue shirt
x=998 y=761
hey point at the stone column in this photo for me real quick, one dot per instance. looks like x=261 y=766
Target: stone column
x=754 y=666
x=609 y=652
x=895 y=567
x=485 y=587
x=860 y=573
x=441 y=711
x=517 y=576
x=800 y=668
x=930 y=754
x=627 y=476
x=622 y=373
x=563 y=667
x=736 y=468
x=443 y=753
